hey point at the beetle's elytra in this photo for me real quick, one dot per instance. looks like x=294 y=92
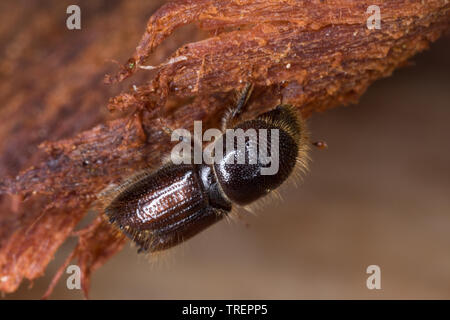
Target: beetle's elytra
x=165 y=207
x=162 y=208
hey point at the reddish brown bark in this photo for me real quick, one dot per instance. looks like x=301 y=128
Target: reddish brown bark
x=313 y=54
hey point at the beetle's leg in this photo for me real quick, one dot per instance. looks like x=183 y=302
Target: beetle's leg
x=165 y=127
x=169 y=131
x=191 y=139
x=231 y=116
x=138 y=120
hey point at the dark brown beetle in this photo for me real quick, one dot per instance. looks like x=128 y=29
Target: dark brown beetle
x=160 y=209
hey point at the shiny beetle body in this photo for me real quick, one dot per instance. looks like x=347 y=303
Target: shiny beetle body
x=163 y=208
x=168 y=206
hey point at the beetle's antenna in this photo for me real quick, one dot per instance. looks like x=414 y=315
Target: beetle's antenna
x=233 y=113
x=280 y=93
x=243 y=99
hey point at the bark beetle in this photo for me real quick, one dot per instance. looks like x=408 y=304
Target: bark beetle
x=313 y=54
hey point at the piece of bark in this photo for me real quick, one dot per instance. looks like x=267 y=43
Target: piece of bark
x=97 y=243
x=313 y=54
x=51 y=89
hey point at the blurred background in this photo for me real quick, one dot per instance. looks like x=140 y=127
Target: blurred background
x=379 y=195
